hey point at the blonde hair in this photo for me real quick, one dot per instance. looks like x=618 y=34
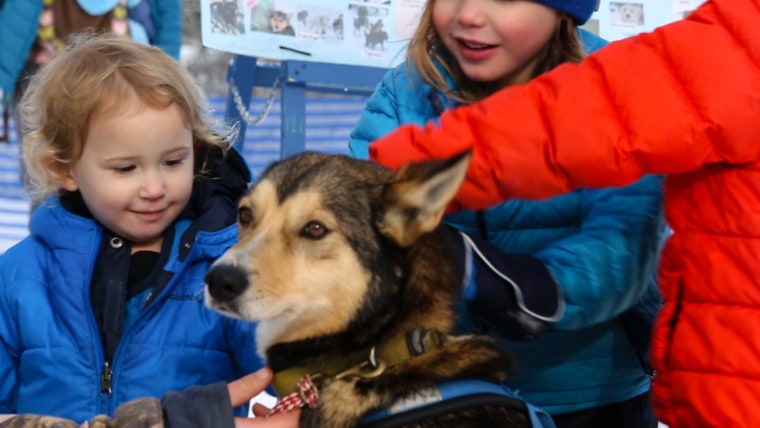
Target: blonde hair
x=427 y=53
x=91 y=77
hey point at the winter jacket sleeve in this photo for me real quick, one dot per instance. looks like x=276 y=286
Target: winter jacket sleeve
x=196 y=407
x=603 y=267
x=8 y=382
x=609 y=263
x=379 y=117
x=242 y=336
x=18 y=27
x=138 y=413
x=167 y=16
x=8 y=365
x=669 y=102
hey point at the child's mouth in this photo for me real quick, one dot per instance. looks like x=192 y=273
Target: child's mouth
x=474 y=45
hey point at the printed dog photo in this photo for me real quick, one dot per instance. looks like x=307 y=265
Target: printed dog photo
x=626 y=14
x=226 y=17
x=344 y=265
x=279 y=23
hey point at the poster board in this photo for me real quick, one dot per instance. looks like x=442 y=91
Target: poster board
x=370 y=33
x=375 y=32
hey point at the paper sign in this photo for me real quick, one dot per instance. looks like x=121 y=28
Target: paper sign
x=369 y=33
x=375 y=33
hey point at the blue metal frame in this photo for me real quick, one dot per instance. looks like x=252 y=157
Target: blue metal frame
x=295 y=79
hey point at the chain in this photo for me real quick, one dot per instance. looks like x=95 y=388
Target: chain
x=243 y=111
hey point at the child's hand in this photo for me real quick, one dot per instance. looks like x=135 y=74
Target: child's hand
x=244 y=389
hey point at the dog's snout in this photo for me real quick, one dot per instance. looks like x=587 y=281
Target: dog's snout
x=226 y=282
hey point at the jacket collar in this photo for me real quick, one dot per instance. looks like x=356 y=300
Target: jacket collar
x=62 y=222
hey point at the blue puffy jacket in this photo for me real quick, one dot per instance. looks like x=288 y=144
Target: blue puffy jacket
x=601 y=246
x=51 y=353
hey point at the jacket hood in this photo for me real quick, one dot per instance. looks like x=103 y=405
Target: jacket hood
x=224 y=179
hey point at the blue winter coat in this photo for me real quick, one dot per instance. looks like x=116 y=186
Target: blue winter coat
x=51 y=354
x=601 y=246
x=19 y=21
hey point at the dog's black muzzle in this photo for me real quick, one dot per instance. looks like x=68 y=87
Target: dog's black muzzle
x=226 y=282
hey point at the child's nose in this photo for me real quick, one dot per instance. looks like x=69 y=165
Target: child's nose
x=471 y=13
x=154 y=185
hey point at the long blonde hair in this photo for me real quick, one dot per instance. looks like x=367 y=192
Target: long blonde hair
x=91 y=77
x=427 y=53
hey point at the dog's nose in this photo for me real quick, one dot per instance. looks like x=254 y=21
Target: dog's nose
x=226 y=282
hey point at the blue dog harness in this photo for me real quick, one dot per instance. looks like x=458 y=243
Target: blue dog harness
x=450 y=397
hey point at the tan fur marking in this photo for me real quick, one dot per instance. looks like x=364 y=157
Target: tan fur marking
x=292 y=278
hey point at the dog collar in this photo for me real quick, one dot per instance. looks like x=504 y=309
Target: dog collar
x=368 y=363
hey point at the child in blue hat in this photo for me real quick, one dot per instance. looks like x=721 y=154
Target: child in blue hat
x=586 y=366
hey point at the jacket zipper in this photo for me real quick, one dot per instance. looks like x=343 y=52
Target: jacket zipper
x=105 y=379
x=673 y=322
x=105 y=388
x=107 y=373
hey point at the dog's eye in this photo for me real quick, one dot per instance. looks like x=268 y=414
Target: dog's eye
x=245 y=216
x=314 y=230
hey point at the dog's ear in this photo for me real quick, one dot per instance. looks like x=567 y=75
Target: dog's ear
x=417 y=199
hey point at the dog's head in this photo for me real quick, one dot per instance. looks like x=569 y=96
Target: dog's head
x=632 y=13
x=279 y=21
x=323 y=236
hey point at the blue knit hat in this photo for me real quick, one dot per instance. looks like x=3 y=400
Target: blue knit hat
x=580 y=10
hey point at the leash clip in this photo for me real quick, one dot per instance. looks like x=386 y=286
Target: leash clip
x=371 y=368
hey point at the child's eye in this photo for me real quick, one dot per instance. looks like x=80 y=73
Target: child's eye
x=124 y=169
x=174 y=162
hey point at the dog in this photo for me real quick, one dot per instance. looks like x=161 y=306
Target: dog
x=226 y=17
x=319 y=25
x=629 y=13
x=344 y=265
x=301 y=16
x=375 y=36
x=337 y=26
x=279 y=23
x=361 y=20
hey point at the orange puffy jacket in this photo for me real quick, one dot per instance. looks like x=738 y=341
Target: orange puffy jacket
x=684 y=101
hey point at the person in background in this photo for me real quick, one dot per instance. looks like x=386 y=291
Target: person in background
x=682 y=101
x=30 y=29
x=103 y=301
x=600 y=246
x=33 y=31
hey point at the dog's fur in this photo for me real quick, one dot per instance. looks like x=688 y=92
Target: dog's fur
x=337 y=255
